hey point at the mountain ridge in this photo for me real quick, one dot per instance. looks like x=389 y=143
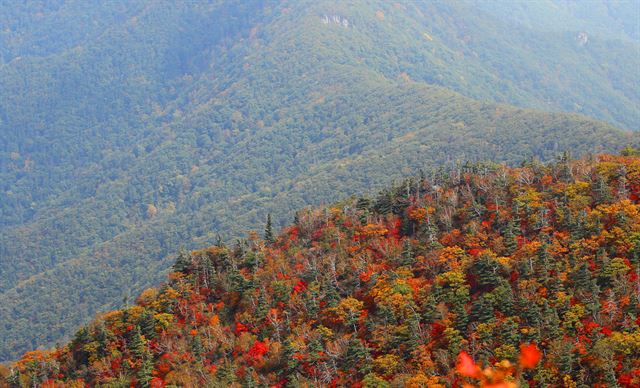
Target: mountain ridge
x=258 y=113
x=481 y=274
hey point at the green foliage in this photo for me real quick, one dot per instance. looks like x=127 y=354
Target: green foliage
x=335 y=300
x=129 y=129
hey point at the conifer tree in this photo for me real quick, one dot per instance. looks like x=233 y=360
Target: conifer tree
x=408 y=257
x=137 y=345
x=486 y=269
x=147 y=324
x=268 y=230
x=510 y=241
x=183 y=262
x=481 y=309
x=602 y=191
x=145 y=372
x=356 y=355
x=195 y=345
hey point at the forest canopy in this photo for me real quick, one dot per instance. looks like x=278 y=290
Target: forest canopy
x=482 y=274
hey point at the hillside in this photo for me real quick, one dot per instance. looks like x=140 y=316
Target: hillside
x=532 y=271
x=137 y=127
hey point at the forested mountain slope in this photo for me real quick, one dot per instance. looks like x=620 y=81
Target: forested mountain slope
x=164 y=124
x=613 y=19
x=532 y=272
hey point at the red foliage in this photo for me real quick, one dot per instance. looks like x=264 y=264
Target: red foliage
x=437 y=329
x=240 y=328
x=163 y=367
x=256 y=352
x=590 y=326
x=299 y=287
x=466 y=366
x=293 y=233
x=156 y=382
x=530 y=355
x=474 y=251
x=365 y=276
x=395 y=231
x=424 y=289
x=115 y=364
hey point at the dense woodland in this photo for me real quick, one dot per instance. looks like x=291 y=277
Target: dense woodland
x=482 y=274
x=131 y=128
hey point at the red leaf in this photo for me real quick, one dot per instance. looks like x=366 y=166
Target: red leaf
x=466 y=366
x=299 y=287
x=530 y=355
x=240 y=328
x=257 y=351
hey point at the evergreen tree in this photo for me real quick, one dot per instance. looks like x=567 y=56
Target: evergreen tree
x=363 y=204
x=147 y=324
x=219 y=242
x=508 y=331
x=137 y=345
x=101 y=337
x=481 y=309
x=183 y=262
x=510 y=240
x=602 y=191
x=504 y=299
x=268 y=230
x=429 y=311
x=263 y=306
x=384 y=203
x=355 y=357
x=486 y=269
x=408 y=257
x=292 y=362
x=543 y=262
x=145 y=373
x=80 y=355
x=195 y=345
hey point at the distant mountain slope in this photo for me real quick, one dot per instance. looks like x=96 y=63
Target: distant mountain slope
x=616 y=19
x=174 y=122
x=480 y=274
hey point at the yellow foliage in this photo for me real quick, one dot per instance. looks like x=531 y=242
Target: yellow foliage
x=164 y=319
x=387 y=364
x=350 y=307
x=418 y=214
x=135 y=312
x=452 y=256
x=420 y=380
x=111 y=316
x=453 y=279
x=626 y=343
x=373 y=230
x=147 y=296
x=325 y=332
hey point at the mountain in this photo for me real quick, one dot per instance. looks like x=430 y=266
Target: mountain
x=129 y=129
x=481 y=274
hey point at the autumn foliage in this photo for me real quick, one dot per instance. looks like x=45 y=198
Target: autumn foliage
x=480 y=276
